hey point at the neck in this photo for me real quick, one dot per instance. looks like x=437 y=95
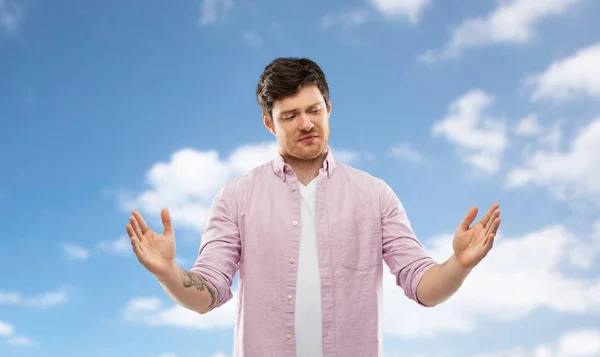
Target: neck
x=306 y=170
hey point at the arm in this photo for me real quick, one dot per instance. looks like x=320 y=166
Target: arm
x=219 y=255
x=188 y=289
x=207 y=284
x=421 y=278
x=402 y=251
x=440 y=282
x=471 y=244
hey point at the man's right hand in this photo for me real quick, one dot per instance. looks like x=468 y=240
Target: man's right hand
x=156 y=252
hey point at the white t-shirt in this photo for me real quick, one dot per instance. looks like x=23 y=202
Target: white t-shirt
x=309 y=329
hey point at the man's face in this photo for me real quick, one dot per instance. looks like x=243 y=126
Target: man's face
x=301 y=124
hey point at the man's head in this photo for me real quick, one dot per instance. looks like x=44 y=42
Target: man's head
x=294 y=98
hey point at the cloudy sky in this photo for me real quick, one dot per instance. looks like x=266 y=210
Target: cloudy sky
x=107 y=106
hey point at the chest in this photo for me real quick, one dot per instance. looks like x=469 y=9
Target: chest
x=344 y=220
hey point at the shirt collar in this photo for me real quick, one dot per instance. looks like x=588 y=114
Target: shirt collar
x=280 y=167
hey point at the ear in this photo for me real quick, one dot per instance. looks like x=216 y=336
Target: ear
x=268 y=124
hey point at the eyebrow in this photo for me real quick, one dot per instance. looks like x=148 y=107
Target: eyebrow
x=296 y=109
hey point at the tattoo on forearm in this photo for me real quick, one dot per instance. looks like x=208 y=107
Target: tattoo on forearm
x=196 y=281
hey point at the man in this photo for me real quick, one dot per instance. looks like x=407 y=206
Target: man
x=309 y=236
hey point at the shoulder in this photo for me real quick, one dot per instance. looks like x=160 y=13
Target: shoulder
x=360 y=176
x=367 y=183
x=238 y=186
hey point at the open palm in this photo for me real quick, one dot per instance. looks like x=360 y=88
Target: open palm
x=156 y=252
x=472 y=243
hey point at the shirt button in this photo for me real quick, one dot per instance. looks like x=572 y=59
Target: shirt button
x=289 y=297
x=289 y=336
x=295 y=223
x=292 y=260
x=293 y=187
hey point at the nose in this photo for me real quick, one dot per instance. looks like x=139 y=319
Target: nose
x=305 y=123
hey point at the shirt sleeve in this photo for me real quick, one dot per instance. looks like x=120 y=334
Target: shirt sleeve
x=219 y=254
x=403 y=253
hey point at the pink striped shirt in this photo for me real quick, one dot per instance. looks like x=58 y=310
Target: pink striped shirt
x=253 y=226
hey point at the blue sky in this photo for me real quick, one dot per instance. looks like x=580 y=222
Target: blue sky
x=109 y=106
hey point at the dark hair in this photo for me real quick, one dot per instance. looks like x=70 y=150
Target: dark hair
x=284 y=77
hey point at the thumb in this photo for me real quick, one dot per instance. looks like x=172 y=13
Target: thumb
x=469 y=218
x=166 y=220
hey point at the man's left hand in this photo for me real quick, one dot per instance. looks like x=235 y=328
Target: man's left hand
x=472 y=243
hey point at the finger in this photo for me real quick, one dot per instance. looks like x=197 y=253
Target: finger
x=167 y=222
x=136 y=227
x=135 y=244
x=493 y=228
x=141 y=222
x=485 y=219
x=489 y=243
x=469 y=218
x=131 y=233
x=136 y=248
x=491 y=219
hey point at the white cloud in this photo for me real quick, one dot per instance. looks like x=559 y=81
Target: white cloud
x=411 y=10
x=152 y=312
x=480 y=139
x=11 y=17
x=511 y=22
x=535 y=265
x=75 y=252
x=7 y=331
x=529 y=126
x=346 y=18
x=570 y=174
x=43 y=300
x=346 y=156
x=119 y=246
x=252 y=38
x=187 y=183
x=21 y=341
x=48 y=299
x=9 y=297
x=212 y=10
x=551 y=136
x=569 y=78
x=404 y=151
x=576 y=343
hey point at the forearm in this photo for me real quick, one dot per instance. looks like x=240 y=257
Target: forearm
x=441 y=281
x=188 y=289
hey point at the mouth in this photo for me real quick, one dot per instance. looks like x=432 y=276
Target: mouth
x=308 y=138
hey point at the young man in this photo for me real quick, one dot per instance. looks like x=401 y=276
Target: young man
x=309 y=236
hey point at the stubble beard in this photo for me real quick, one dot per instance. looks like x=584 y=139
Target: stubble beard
x=298 y=154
